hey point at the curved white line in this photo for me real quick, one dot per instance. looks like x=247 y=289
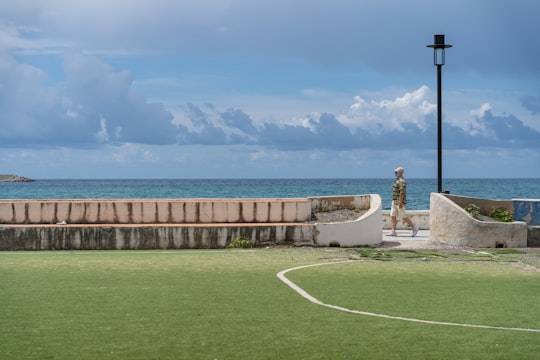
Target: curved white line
x=306 y=295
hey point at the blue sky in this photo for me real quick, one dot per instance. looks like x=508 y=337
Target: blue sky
x=267 y=89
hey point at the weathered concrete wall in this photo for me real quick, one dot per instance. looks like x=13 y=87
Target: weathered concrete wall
x=154 y=211
x=485 y=205
x=527 y=210
x=533 y=236
x=365 y=231
x=137 y=237
x=419 y=217
x=330 y=203
x=182 y=224
x=450 y=224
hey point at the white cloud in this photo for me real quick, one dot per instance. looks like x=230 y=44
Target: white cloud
x=481 y=111
x=99 y=106
x=383 y=116
x=475 y=125
x=11 y=37
x=102 y=135
x=35 y=115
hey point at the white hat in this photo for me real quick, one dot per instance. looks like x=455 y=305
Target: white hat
x=399 y=169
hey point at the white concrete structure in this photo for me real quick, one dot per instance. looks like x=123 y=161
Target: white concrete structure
x=451 y=225
x=183 y=223
x=154 y=211
x=365 y=231
x=419 y=217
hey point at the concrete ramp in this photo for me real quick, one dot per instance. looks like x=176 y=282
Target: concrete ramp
x=451 y=225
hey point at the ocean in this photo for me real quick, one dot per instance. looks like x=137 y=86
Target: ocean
x=418 y=190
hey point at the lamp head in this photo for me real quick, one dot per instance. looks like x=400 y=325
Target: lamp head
x=439 y=43
x=438 y=49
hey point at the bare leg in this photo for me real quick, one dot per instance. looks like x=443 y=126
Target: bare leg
x=408 y=222
x=412 y=225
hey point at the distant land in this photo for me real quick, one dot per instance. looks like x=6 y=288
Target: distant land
x=14 y=178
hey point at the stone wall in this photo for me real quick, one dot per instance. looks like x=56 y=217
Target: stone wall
x=140 y=237
x=450 y=224
x=182 y=224
x=533 y=236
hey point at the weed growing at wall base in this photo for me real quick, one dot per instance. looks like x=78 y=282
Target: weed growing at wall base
x=501 y=214
x=240 y=243
x=473 y=210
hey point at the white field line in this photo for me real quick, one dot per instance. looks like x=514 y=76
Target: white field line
x=306 y=295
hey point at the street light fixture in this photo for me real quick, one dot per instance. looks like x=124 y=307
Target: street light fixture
x=438 y=60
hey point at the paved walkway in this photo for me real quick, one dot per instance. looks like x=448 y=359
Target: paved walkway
x=405 y=240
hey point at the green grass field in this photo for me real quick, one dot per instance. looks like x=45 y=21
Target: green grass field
x=230 y=304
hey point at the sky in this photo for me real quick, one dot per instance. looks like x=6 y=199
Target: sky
x=268 y=89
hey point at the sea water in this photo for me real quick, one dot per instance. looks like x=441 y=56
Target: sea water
x=418 y=190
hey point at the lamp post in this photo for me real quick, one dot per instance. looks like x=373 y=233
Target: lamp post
x=438 y=60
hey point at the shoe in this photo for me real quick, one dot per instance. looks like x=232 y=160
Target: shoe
x=414 y=230
x=391 y=233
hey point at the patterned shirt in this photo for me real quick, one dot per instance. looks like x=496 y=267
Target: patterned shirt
x=400 y=186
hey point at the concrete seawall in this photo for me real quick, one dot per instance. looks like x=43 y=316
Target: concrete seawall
x=154 y=211
x=146 y=237
x=183 y=223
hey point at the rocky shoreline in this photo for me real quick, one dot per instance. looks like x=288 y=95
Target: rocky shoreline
x=14 y=178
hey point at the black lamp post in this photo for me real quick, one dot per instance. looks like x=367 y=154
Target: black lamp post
x=438 y=60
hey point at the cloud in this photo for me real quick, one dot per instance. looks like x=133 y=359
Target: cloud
x=511 y=132
x=321 y=32
x=12 y=36
x=531 y=103
x=407 y=121
x=475 y=125
x=98 y=106
x=389 y=115
x=97 y=92
x=238 y=119
x=31 y=113
x=156 y=83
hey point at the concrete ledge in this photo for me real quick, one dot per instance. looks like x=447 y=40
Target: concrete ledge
x=419 y=217
x=365 y=231
x=149 y=211
x=451 y=225
x=183 y=224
